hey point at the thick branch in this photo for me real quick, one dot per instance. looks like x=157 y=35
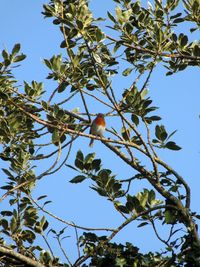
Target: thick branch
x=4 y=251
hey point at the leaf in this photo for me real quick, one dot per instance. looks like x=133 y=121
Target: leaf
x=89 y=158
x=4 y=224
x=19 y=58
x=142 y=224
x=100 y=191
x=63 y=44
x=71 y=167
x=179 y=20
x=144 y=93
x=41 y=197
x=170 y=218
x=47 y=63
x=127 y=71
x=8 y=173
x=45 y=225
x=78 y=179
x=99 y=35
x=16 y=49
x=6 y=213
x=154 y=118
x=96 y=164
x=135 y=119
x=125 y=133
x=3 y=96
x=55 y=136
x=118 y=12
x=196 y=50
x=171 y=134
x=184 y=40
x=79 y=161
x=5 y=55
x=160 y=132
x=175 y=16
x=97 y=58
x=62 y=86
x=111 y=17
x=172 y=145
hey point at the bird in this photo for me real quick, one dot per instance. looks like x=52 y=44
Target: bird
x=98 y=127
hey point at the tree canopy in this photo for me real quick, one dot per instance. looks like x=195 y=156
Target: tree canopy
x=39 y=131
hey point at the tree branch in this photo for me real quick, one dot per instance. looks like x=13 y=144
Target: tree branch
x=19 y=257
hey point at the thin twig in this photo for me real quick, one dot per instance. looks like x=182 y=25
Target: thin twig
x=48 y=245
x=77 y=241
x=67 y=222
x=64 y=253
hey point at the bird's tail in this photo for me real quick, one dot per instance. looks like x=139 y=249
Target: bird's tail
x=91 y=142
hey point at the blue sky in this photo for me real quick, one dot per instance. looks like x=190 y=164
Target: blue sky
x=177 y=96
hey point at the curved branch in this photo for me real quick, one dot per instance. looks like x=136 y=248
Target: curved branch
x=67 y=222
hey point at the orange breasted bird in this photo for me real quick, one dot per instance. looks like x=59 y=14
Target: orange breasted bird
x=98 y=127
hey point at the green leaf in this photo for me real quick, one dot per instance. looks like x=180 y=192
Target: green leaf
x=90 y=157
x=111 y=17
x=4 y=224
x=172 y=145
x=71 y=167
x=170 y=218
x=8 y=173
x=97 y=58
x=16 y=49
x=78 y=179
x=127 y=71
x=174 y=37
x=135 y=119
x=99 y=35
x=184 y=40
x=100 y=191
x=45 y=225
x=144 y=93
x=63 y=44
x=125 y=133
x=104 y=175
x=19 y=58
x=171 y=134
x=160 y=132
x=175 y=16
x=179 y=20
x=41 y=197
x=6 y=213
x=152 y=118
x=96 y=164
x=62 y=86
x=55 y=136
x=118 y=12
x=5 y=55
x=142 y=224
x=196 y=51
x=79 y=161
x=3 y=96
x=47 y=63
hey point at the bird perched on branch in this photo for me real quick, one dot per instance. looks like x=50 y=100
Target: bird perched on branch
x=98 y=127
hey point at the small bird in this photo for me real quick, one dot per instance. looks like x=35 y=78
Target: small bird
x=98 y=127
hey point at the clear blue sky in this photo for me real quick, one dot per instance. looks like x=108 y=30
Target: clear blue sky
x=177 y=96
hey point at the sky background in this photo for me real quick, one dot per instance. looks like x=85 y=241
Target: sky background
x=177 y=97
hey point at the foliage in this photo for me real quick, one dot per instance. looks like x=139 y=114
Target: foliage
x=90 y=61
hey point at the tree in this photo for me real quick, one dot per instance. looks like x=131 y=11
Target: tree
x=142 y=38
